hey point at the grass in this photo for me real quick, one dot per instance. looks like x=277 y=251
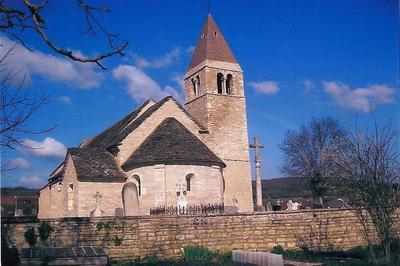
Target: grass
x=357 y=256
x=201 y=256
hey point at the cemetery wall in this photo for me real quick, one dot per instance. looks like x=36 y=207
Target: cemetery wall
x=125 y=238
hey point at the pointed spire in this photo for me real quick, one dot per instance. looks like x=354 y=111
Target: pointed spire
x=211 y=45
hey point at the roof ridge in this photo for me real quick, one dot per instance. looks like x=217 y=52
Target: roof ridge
x=97 y=140
x=117 y=138
x=170 y=142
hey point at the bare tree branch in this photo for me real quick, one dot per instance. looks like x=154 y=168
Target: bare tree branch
x=12 y=19
x=369 y=170
x=306 y=153
x=16 y=108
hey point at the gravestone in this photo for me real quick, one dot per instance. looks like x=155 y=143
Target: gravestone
x=63 y=256
x=119 y=212
x=259 y=258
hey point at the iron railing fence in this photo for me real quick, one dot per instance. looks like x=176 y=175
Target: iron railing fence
x=206 y=209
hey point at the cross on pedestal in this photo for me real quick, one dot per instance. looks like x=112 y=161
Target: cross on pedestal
x=257 y=146
x=97 y=212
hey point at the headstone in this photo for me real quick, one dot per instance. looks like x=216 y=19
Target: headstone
x=269 y=205
x=119 y=212
x=257 y=258
x=19 y=212
x=259 y=208
x=231 y=209
x=63 y=256
x=181 y=201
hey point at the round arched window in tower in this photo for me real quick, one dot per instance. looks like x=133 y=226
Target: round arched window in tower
x=228 y=86
x=220 y=83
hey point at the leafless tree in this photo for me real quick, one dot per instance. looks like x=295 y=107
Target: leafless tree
x=306 y=153
x=16 y=18
x=369 y=169
x=17 y=105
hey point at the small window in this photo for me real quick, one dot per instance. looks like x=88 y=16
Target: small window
x=220 y=83
x=229 y=84
x=198 y=85
x=188 y=182
x=194 y=83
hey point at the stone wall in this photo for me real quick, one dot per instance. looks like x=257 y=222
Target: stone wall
x=164 y=236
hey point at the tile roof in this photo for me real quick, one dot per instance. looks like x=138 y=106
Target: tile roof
x=211 y=45
x=119 y=131
x=105 y=137
x=171 y=143
x=94 y=160
x=96 y=165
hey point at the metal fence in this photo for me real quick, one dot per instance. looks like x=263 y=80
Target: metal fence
x=188 y=210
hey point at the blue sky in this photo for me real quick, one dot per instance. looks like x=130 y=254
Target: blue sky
x=300 y=59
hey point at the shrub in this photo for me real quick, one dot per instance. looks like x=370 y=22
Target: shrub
x=358 y=252
x=30 y=236
x=197 y=254
x=117 y=240
x=45 y=230
x=278 y=250
x=9 y=256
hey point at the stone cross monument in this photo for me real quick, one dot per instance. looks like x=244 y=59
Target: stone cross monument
x=97 y=212
x=257 y=146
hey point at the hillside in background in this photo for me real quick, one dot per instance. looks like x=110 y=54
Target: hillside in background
x=19 y=191
x=27 y=201
x=286 y=187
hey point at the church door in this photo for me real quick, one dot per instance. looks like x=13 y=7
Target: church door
x=130 y=199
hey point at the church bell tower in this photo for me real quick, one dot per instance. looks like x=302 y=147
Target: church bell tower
x=215 y=97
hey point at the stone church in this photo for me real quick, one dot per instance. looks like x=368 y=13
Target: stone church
x=163 y=153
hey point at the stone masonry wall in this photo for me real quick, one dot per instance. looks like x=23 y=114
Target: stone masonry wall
x=164 y=236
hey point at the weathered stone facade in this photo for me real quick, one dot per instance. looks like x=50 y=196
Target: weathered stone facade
x=104 y=174
x=164 y=236
x=223 y=112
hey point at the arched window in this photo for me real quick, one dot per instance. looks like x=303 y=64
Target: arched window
x=229 y=84
x=139 y=186
x=194 y=83
x=198 y=85
x=188 y=181
x=220 y=82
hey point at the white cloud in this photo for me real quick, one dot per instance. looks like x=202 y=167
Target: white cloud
x=36 y=63
x=49 y=147
x=160 y=62
x=65 y=99
x=142 y=87
x=190 y=50
x=309 y=85
x=32 y=181
x=359 y=99
x=18 y=163
x=178 y=79
x=266 y=87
